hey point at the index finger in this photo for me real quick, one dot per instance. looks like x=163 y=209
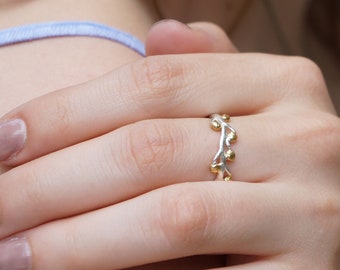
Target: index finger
x=155 y=87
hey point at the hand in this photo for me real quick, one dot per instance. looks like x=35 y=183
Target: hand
x=205 y=37
x=58 y=121
x=277 y=172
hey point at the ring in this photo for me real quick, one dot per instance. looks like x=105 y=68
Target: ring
x=225 y=153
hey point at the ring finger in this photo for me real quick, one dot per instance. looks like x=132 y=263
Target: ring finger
x=130 y=161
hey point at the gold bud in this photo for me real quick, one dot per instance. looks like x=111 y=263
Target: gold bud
x=232 y=136
x=227 y=178
x=215 y=125
x=215 y=168
x=230 y=155
x=225 y=117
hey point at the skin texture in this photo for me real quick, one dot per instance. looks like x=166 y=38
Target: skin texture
x=203 y=37
x=250 y=27
x=70 y=60
x=198 y=217
x=191 y=218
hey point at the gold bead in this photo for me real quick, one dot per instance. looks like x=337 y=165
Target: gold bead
x=232 y=136
x=225 y=117
x=227 y=178
x=215 y=168
x=230 y=155
x=215 y=125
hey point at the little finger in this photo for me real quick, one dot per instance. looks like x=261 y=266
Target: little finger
x=172 y=222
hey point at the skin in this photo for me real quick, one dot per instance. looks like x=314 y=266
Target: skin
x=249 y=26
x=71 y=60
x=163 y=219
x=67 y=64
x=174 y=210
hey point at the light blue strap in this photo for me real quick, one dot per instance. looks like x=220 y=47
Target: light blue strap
x=73 y=28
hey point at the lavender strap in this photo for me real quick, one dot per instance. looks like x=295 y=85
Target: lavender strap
x=73 y=28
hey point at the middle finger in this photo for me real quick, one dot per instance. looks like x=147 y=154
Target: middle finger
x=155 y=87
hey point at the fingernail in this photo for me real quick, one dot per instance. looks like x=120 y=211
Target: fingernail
x=15 y=254
x=12 y=138
x=173 y=22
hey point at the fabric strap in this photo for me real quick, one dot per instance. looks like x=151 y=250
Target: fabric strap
x=69 y=28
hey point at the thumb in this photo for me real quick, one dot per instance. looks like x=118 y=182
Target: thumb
x=173 y=37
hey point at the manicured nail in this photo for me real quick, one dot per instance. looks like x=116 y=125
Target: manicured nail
x=12 y=138
x=15 y=254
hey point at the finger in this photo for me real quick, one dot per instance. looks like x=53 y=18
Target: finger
x=260 y=264
x=173 y=37
x=133 y=160
x=162 y=87
x=192 y=262
x=245 y=262
x=180 y=220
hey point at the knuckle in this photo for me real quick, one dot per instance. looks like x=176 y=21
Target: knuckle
x=30 y=200
x=34 y=196
x=60 y=113
x=305 y=76
x=184 y=217
x=330 y=130
x=150 y=147
x=316 y=137
x=325 y=210
x=154 y=82
x=72 y=237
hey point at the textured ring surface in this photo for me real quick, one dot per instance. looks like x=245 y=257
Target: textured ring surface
x=225 y=153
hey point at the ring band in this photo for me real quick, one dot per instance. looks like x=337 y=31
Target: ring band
x=225 y=153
